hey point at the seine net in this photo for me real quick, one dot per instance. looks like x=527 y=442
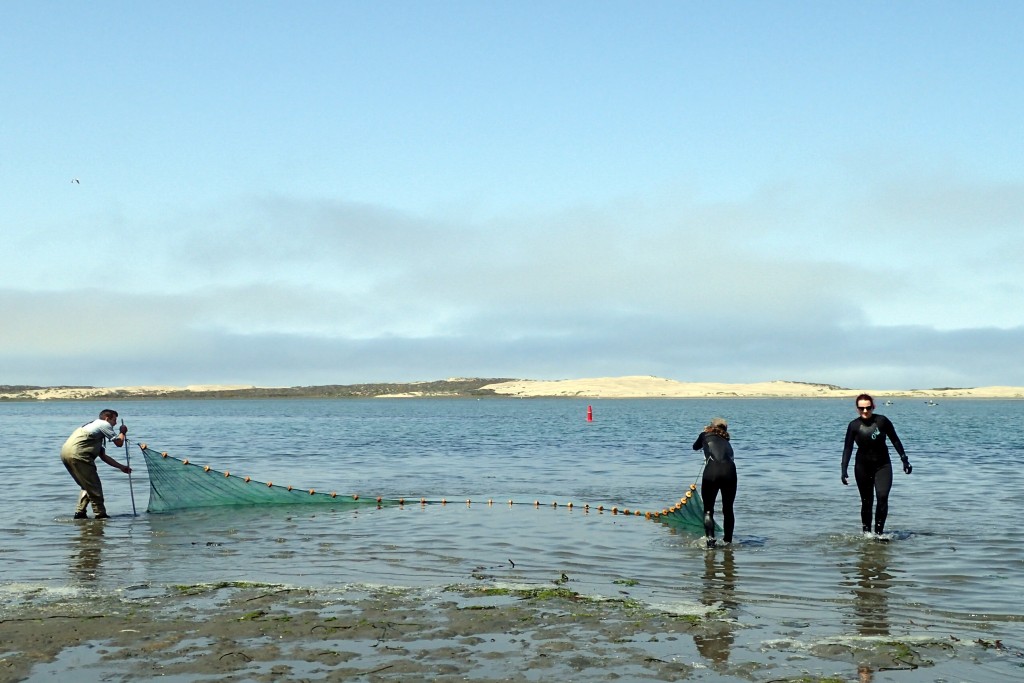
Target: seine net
x=688 y=513
x=176 y=484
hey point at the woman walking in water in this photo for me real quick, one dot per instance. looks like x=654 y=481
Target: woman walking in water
x=719 y=475
x=872 y=468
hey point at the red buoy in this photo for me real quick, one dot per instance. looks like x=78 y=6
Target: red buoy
x=590 y=413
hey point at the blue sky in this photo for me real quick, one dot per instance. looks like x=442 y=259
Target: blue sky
x=301 y=193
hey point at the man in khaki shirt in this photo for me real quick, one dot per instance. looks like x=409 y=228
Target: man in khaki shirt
x=79 y=455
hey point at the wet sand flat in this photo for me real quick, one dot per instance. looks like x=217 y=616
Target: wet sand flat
x=235 y=632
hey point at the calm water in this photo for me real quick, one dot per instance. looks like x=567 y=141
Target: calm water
x=799 y=569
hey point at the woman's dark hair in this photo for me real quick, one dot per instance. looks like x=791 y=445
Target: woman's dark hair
x=865 y=397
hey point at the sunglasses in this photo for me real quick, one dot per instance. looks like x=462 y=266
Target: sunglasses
x=863 y=408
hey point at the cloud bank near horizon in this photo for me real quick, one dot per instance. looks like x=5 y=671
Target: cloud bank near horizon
x=291 y=292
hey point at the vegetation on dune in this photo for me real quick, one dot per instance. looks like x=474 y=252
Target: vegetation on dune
x=453 y=388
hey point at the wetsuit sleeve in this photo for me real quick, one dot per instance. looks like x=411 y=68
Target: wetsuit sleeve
x=890 y=432
x=699 y=443
x=851 y=430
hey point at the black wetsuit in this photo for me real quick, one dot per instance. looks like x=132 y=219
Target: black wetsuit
x=872 y=468
x=719 y=475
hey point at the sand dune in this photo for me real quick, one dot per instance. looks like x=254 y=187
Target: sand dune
x=658 y=387
x=598 y=387
x=79 y=393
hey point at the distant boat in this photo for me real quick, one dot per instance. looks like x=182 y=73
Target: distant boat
x=888 y=403
x=930 y=403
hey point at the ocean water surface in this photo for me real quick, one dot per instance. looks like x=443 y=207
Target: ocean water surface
x=798 y=579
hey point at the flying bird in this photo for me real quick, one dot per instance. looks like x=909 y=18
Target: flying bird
x=75 y=181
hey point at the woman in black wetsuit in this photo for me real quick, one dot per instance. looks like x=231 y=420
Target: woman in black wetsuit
x=872 y=468
x=719 y=475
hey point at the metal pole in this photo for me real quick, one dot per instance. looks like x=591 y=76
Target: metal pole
x=128 y=462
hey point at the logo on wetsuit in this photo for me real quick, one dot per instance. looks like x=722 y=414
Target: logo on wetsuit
x=875 y=434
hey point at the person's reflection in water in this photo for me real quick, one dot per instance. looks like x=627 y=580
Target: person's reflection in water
x=871 y=591
x=86 y=556
x=714 y=641
x=871 y=599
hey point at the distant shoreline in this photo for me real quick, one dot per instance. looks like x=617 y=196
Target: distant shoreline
x=631 y=387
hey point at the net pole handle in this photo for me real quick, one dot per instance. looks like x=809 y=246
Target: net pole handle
x=128 y=463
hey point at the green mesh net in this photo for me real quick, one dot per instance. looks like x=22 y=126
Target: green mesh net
x=176 y=484
x=688 y=513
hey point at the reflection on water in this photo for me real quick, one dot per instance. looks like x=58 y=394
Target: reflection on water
x=871 y=590
x=870 y=587
x=87 y=551
x=718 y=590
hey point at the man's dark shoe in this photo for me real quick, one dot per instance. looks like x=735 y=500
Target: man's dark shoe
x=103 y=516
x=81 y=515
